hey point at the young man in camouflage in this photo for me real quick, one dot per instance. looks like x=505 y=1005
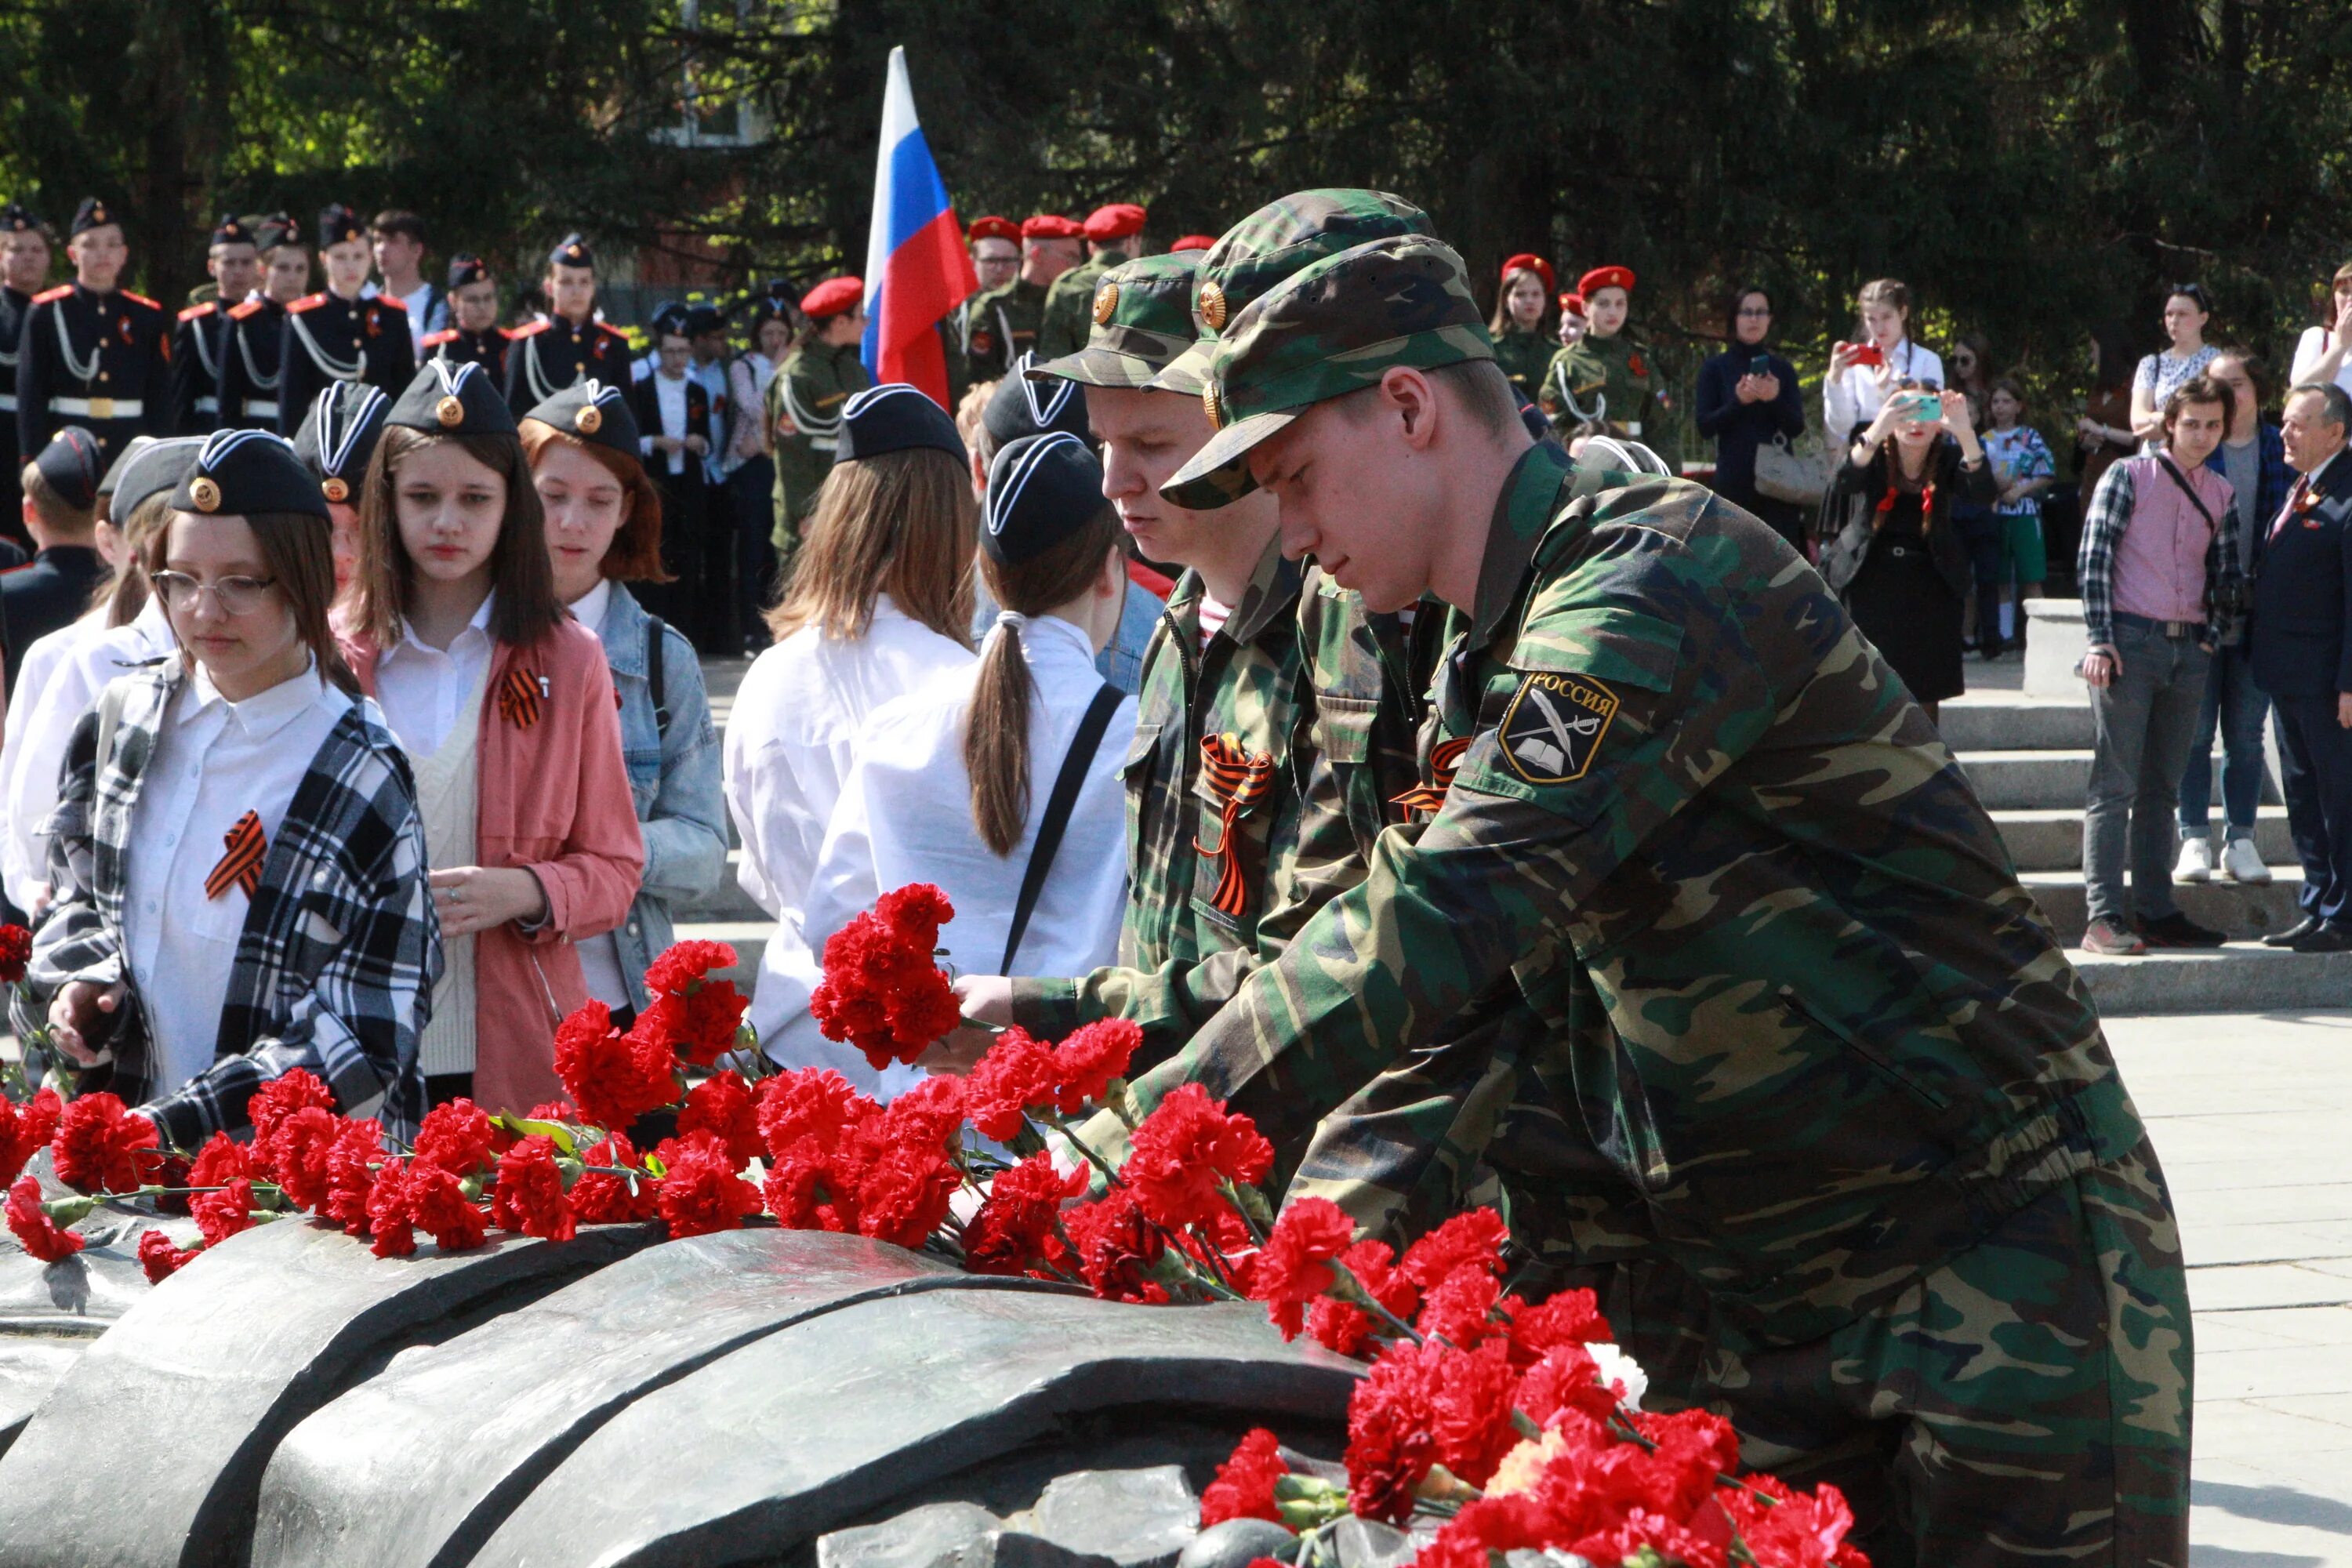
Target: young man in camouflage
x=1111 y=233
x=1865 y=1099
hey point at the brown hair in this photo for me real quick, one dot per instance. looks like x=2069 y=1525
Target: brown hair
x=300 y=550
x=2012 y=385
x=902 y=523
x=996 y=725
x=1500 y=323
x=1486 y=394
x=2248 y=361
x=2201 y=389
x=61 y=518
x=521 y=576
x=1887 y=291
x=124 y=595
x=971 y=422
x=635 y=554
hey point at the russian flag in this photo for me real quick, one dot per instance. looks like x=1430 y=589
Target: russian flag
x=916 y=268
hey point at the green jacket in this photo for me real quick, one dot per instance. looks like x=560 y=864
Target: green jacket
x=996 y=328
x=1070 y=306
x=809 y=388
x=1609 y=379
x=1841 y=1043
x=1524 y=357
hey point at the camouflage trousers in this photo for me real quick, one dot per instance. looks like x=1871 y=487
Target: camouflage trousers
x=2028 y=1402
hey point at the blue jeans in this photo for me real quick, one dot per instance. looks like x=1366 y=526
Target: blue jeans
x=2236 y=707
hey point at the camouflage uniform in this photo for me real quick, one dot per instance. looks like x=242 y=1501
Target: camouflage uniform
x=1070 y=303
x=1611 y=380
x=809 y=388
x=1923 y=1244
x=998 y=327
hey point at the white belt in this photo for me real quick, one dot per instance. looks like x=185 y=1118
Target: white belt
x=98 y=408
x=7 y=402
x=255 y=408
x=822 y=443
x=1632 y=427
x=208 y=406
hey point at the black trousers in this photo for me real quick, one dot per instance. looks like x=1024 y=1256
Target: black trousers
x=2316 y=777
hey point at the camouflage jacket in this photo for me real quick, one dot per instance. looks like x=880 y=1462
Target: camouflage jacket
x=1841 y=1044
x=809 y=388
x=1070 y=306
x=998 y=327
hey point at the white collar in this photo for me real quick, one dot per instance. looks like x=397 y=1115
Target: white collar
x=589 y=608
x=1039 y=632
x=480 y=622
x=264 y=713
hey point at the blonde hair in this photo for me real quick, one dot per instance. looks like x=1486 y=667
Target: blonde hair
x=902 y=523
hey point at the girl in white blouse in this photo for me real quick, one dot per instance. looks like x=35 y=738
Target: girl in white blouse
x=1861 y=375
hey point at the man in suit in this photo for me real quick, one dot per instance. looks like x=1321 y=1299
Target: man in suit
x=2303 y=660
x=674 y=423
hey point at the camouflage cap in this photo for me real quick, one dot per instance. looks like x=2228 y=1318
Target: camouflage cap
x=1332 y=328
x=1271 y=244
x=1143 y=320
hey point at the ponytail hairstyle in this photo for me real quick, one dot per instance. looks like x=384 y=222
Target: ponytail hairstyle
x=996 y=725
x=1889 y=292
x=123 y=596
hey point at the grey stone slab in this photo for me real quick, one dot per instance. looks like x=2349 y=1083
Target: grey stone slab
x=1237 y=1544
x=1368 y=1543
x=198 y=1380
x=828 y=1421
x=51 y=1312
x=1138 y=1519
x=937 y=1535
x=417 y=1464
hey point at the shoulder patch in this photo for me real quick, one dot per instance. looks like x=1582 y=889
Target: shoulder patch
x=529 y=328
x=504 y=334
x=384 y=299
x=435 y=340
x=239 y=312
x=60 y=292
x=206 y=308
x=614 y=331
x=306 y=303
x=1555 y=726
x=140 y=300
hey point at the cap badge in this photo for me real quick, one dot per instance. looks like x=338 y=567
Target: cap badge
x=450 y=412
x=204 y=493
x=589 y=420
x=335 y=488
x=1213 y=307
x=1209 y=402
x=1106 y=302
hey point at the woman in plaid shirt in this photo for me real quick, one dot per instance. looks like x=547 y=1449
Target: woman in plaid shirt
x=240 y=861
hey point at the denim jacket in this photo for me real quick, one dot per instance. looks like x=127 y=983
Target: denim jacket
x=673 y=781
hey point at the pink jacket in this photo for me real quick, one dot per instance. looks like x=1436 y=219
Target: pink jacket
x=553 y=799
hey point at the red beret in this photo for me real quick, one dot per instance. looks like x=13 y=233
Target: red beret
x=833 y=296
x=1050 y=226
x=1573 y=304
x=993 y=228
x=1115 y=221
x=1605 y=278
x=1526 y=261
x=1193 y=242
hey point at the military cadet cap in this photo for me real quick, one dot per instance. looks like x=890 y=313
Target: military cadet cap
x=832 y=296
x=447 y=399
x=1192 y=242
x=1528 y=261
x=1601 y=277
x=595 y=412
x=1332 y=328
x=70 y=464
x=669 y=316
x=1027 y=403
x=18 y=218
x=993 y=228
x=338 y=223
x=571 y=250
x=93 y=213
x=232 y=230
x=1041 y=490
x=1118 y=220
x=238 y=473
x=1050 y=226
x=1572 y=303
x=276 y=229
x=895 y=417
x=149 y=466
x=338 y=435
x=466 y=268
x=1270 y=245
x=700 y=319
x=1142 y=322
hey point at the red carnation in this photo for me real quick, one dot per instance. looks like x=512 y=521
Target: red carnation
x=275 y=1101
x=221 y=1160
x=1011 y=1232
x=158 y=1259
x=1086 y=1063
x=223 y=1213
x=1470 y=1406
x=389 y=1220
x=811 y=1102
x=457 y=1137
x=700 y=1191
x=1244 y=1485
x=721 y=1105
x=1473 y=1237
x=16 y=952
x=530 y=1195
x=31 y=1225
x=299 y=1149
x=352 y=1162
x=1294 y=1267
x=598 y=1199
x=1794 y=1530
x=25 y=1128
x=1461 y=1310
x=101 y=1147
x=613 y=1077
x=881 y=991
x=1017 y=1072
x=687 y=964
x=1115 y=1248
x=903 y=1193
x=438 y=1203
x=1350 y=1329
x=1567 y=1378
x=1571 y=1318
x=1389 y=1444
x=1182 y=1150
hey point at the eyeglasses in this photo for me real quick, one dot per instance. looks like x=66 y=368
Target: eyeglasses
x=234 y=595
x=1748 y=310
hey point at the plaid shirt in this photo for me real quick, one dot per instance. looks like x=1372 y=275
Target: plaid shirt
x=336 y=963
x=2112 y=505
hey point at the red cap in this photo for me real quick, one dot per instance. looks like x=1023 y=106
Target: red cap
x=1193 y=242
x=993 y=228
x=832 y=296
x=1573 y=305
x=1605 y=278
x=1050 y=226
x=1528 y=261
x=1116 y=221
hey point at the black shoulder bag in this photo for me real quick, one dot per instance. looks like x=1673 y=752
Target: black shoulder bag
x=1058 y=807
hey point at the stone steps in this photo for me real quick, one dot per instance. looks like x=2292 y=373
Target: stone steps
x=2238 y=912
x=2243 y=977
x=2051 y=839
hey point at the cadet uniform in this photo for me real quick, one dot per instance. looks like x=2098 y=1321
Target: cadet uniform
x=1862 y=1095
x=1606 y=385
x=328 y=339
x=53 y=589
x=196 y=350
x=100 y=360
x=1523 y=356
x=545 y=356
x=15 y=308
x=1070 y=303
x=809 y=389
x=999 y=325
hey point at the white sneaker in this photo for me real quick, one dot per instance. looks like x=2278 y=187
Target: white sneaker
x=2241 y=862
x=2196 y=860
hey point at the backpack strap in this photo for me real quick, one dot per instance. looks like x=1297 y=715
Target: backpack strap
x=1058 y=807
x=657 y=634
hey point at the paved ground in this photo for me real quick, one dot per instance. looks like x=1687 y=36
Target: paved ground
x=2252 y=1116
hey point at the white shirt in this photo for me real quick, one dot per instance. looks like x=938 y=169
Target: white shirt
x=422 y=690
x=419 y=305
x=2309 y=349
x=79 y=661
x=718 y=462
x=1856 y=397
x=670 y=396
x=789 y=743
x=600 y=956
x=905 y=815
x=215 y=760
